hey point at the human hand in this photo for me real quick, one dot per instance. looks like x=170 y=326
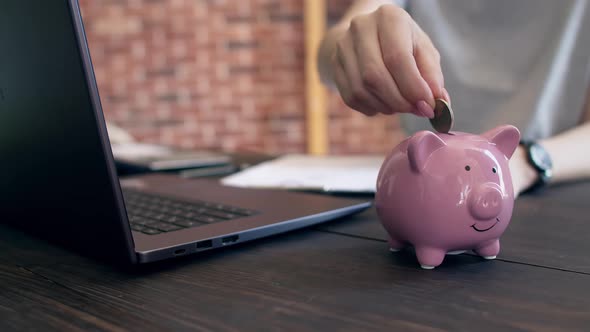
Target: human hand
x=384 y=63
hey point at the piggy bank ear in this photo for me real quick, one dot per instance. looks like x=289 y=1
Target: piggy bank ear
x=505 y=138
x=421 y=146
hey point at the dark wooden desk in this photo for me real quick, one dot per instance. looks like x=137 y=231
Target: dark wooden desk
x=338 y=276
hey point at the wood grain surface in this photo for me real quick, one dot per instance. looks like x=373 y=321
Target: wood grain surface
x=336 y=277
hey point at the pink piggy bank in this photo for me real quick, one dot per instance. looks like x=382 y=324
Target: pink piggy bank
x=448 y=193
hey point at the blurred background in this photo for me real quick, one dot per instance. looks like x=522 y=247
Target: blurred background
x=220 y=74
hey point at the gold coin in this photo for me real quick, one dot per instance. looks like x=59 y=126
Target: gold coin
x=443 y=117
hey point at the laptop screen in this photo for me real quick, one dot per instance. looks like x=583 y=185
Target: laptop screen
x=57 y=177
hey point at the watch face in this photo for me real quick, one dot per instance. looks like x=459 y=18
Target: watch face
x=541 y=157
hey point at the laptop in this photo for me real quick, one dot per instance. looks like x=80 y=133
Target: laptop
x=58 y=179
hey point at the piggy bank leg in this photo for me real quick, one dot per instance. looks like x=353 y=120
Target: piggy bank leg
x=489 y=250
x=429 y=258
x=395 y=245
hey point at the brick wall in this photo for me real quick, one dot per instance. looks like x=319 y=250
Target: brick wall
x=222 y=74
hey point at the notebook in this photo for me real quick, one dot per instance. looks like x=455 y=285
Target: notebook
x=347 y=174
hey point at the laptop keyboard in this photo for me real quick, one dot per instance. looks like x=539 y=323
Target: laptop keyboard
x=154 y=214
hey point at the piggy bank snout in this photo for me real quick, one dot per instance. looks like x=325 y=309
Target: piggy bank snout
x=485 y=201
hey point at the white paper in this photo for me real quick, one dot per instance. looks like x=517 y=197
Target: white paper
x=325 y=173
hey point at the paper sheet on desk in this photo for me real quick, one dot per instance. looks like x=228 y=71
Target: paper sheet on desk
x=325 y=173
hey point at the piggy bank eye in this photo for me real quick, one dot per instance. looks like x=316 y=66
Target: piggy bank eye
x=494 y=170
x=468 y=168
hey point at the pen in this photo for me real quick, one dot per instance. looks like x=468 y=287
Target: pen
x=208 y=171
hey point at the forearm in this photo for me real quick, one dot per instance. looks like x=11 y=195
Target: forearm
x=570 y=153
x=328 y=44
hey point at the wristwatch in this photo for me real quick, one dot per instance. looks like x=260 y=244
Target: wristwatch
x=540 y=160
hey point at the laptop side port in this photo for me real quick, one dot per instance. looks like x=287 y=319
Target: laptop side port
x=204 y=244
x=179 y=252
x=229 y=239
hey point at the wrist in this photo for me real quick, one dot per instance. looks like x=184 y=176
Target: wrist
x=523 y=173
